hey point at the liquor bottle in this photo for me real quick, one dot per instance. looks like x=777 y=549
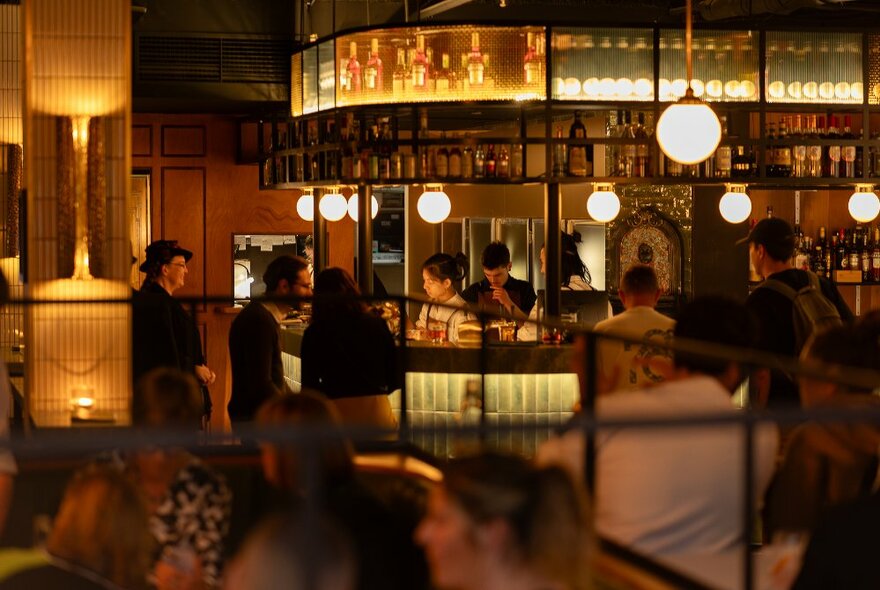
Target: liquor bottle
x=848 y=153
x=467 y=161
x=353 y=69
x=770 y=151
x=479 y=162
x=579 y=164
x=847 y=132
x=819 y=250
x=533 y=65
x=866 y=256
x=799 y=150
x=831 y=257
x=491 y=163
x=475 y=65
x=441 y=160
x=629 y=148
x=444 y=77
x=875 y=257
x=643 y=149
x=419 y=69
x=425 y=163
x=833 y=153
x=373 y=77
x=399 y=75
x=516 y=161
x=455 y=161
x=782 y=152
x=741 y=163
x=724 y=153
x=559 y=163
x=503 y=163
x=842 y=253
x=855 y=249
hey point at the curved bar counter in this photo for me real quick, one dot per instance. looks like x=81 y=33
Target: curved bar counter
x=524 y=384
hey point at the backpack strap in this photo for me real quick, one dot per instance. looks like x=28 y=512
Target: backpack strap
x=782 y=288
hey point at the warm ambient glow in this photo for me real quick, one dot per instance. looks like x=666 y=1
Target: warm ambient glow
x=434 y=205
x=353 y=207
x=735 y=205
x=864 y=206
x=333 y=206
x=11 y=127
x=603 y=203
x=305 y=205
x=688 y=131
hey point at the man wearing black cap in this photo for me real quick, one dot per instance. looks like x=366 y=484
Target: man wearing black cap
x=771 y=246
x=163 y=333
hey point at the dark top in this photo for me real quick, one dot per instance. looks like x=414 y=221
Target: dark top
x=521 y=293
x=349 y=356
x=255 y=353
x=843 y=550
x=163 y=333
x=774 y=312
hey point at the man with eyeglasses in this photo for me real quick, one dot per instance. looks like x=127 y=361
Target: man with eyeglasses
x=163 y=333
x=255 y=337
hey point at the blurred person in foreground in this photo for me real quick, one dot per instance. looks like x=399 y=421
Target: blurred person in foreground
x=348 y=354
x=189 y=502
x=629 y=365
x=255 y=337
x=675 y=490
x=319 y=467
x=296 y=551
x=829 y=463
x=499 y=523
x=100 y=539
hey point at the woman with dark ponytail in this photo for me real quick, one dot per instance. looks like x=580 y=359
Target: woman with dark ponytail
x=499 y=523
x=440 y=273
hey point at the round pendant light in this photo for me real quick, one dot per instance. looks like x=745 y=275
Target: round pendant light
x=735 y=205
x=353 y=207
x=603 y=203
x=333 y=206
x=434 y=205
x=689 y=130
x=305 y=205
x=864 y=206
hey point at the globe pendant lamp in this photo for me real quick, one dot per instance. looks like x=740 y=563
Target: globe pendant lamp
x=735 y=205
x=688 y=131
x=864 y=206
x=353 y=207
x=333 y=205
x=305 y=205
x=434 y=205
x=603 y=203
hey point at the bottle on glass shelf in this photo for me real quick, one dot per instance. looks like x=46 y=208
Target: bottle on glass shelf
x=441 y=160
x=491 y=162
x=579 y=163
x=503 y=165
x=399 y=75
x=842 y=252
x=467 y=160
x=559 y=164
x=533 y=64
x=516 y=161
x=741 y=163
x=643 y=149
x=866 y=256
x=444 y=77
x=455 y=161
x=373 y=71
x=419 y=69
x=724 y=153
x=628 y=151
x=475 y=66
x=855 y=249
x=353 y=70
x=479 y=162
x=875 y=257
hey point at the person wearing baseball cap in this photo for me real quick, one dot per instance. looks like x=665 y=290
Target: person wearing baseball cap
x=771 y=247
x=164 y=334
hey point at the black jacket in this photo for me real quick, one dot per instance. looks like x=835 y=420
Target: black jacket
x=255 y=353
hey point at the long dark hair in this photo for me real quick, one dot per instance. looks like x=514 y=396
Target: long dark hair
x=572 y=265
x=333 y=287
x=444 y=266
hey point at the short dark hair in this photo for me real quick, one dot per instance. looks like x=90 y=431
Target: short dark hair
x=639 y=279
x=715 y=319
x=495 y=255
x=333 y=287
x=285 y=267
x=849 y=346
x=167 y=397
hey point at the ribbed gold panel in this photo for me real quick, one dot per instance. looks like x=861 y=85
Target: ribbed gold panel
x=78 y=167
x=725 y=65
x=874 y=69
x=603 y=64
x=326 y=76
x=814 y=68
x=310 y=80
x=11 y=125
x=296 y=85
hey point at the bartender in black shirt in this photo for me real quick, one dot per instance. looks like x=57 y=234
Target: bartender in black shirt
x=499 y=291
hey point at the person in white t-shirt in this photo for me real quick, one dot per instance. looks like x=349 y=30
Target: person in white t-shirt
x=676 y=490
x=445 y=309
x=627 y=365
x=576 y=277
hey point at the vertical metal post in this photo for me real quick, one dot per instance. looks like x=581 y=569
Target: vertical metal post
x=319 y=231
x=365 y=238
x=404 y=363
x=552 y=249
x=588 y=409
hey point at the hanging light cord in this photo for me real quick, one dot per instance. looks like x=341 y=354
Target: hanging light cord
x=689 y=24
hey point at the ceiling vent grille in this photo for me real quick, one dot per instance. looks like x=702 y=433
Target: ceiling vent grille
x=212 y=59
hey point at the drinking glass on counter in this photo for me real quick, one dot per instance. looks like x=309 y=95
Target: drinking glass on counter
x=436 y=331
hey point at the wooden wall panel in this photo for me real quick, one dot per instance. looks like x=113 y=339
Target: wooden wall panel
x=183 y=141
x=183 y=205
x=141 y=141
